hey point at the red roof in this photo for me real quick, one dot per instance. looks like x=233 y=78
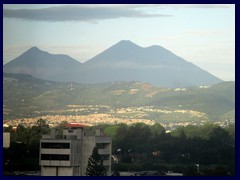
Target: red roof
x=74 y=125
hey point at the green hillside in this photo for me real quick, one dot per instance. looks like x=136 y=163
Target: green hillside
x=25 y=96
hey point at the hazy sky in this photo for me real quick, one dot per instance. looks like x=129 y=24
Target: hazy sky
x=201 y=34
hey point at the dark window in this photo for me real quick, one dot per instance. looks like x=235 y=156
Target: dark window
x=100 y=145
x=105 y=157
x=60 y=157
x=55 y=145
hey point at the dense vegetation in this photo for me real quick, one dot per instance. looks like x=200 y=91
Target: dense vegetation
x=142 y=147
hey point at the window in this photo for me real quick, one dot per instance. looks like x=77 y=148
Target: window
x=60 y=157
x=100 y=145
x=55 y=145
x=105 y=157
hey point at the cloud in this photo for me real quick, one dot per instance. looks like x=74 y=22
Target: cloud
x=197 y=6
x=88 y=13
x=208 y=6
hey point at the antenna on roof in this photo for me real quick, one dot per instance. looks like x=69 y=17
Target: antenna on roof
x=71 y=87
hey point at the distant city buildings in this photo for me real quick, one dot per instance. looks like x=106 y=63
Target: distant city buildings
x=67 y=153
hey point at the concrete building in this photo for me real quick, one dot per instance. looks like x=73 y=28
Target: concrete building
x=6 y=139
x=67 y=153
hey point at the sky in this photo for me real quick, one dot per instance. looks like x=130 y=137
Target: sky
x=201 y=34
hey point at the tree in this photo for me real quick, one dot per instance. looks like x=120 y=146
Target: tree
x=157 y=129
x=220 y=137
x=42 y=126
x=138 y=132
x=22 y=134
x=95 y=165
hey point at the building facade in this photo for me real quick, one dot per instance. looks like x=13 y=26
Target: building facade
x=6 y=140
x=67 y=153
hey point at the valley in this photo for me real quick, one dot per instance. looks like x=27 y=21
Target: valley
x=27 y=99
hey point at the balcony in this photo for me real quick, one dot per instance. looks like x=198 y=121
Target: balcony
x=103 y=139
x=54 y=163
x=104 y=151
x=55 y=151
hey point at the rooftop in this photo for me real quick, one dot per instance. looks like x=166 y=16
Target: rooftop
x=75 y=125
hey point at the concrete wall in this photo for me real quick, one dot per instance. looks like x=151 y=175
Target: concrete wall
x=73 y=133
x=65 y=171
x=6 y=139
x=88 y=145
x=55 y=151
x=57 y=171
x=76 y=151
x=106 y=150
x=48 y=171
x=55 y=163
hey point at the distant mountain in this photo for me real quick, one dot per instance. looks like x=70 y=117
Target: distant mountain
x=44 y=65
x=124 y=61
x=126 y=53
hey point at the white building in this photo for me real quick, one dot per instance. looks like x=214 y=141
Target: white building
x=67 y=154
x=6 y=139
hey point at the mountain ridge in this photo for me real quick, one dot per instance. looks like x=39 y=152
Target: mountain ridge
x=41 y=64
x=124 y=61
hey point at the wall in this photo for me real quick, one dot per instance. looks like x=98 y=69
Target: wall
x=65 y=171
x=48 y=171
x=6 y=139
x=88 y=145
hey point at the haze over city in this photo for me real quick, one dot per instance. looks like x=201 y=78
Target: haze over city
x=201 y=34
